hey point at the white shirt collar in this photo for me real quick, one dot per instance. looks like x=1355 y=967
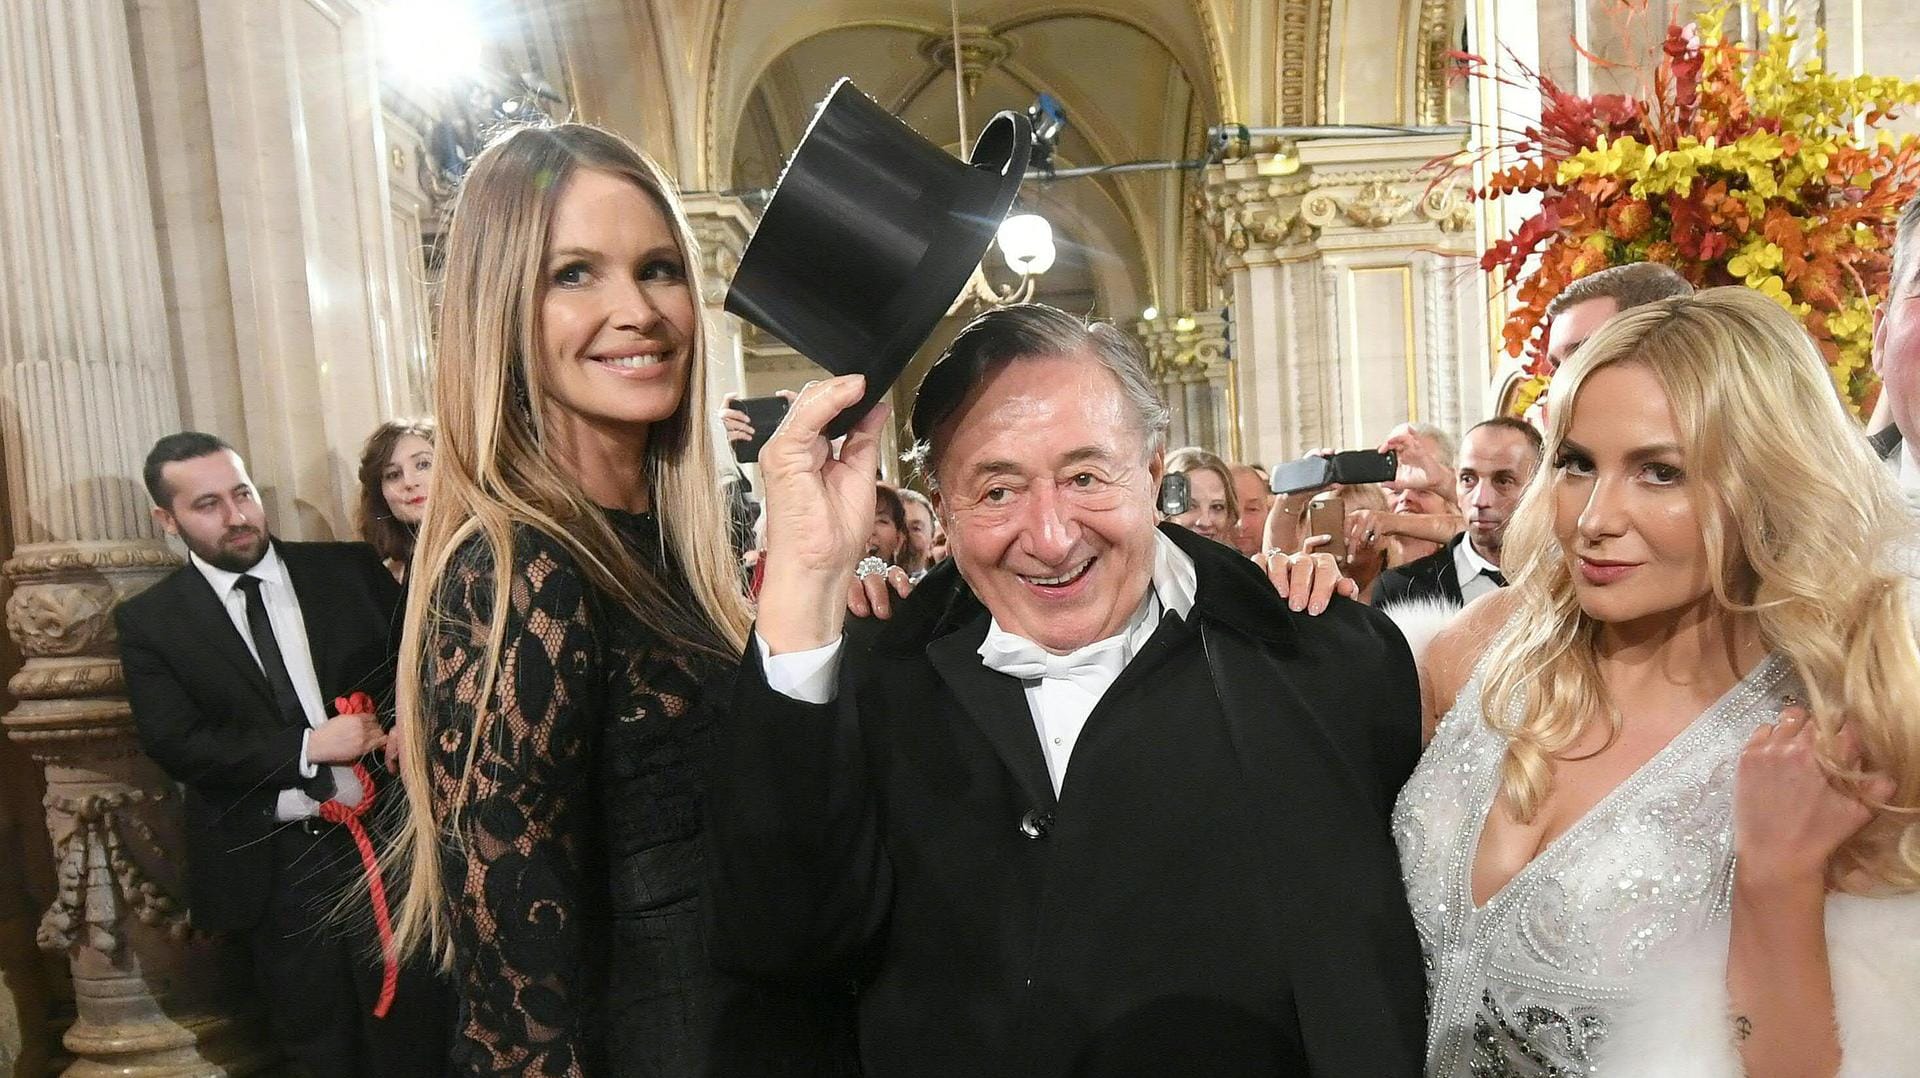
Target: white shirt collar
x=1909 y=473
x=1469 y=560
x=269 y=568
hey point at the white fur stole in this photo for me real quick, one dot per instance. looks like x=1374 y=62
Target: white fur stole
x=1420 y=620
x=1678 y=1023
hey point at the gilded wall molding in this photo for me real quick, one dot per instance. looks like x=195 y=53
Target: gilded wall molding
x=1430 y=81
x=1185 y=347
x=1376 y=204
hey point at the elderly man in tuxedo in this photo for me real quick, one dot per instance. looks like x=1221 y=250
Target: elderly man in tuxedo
x=1095 y=801
x=231 y=664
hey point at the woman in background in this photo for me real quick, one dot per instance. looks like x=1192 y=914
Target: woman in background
x=1619 y=862
x=1213 y=508
x=396 y=467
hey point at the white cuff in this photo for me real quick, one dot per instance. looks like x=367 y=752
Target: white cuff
x=806 y=676
x=307 y=770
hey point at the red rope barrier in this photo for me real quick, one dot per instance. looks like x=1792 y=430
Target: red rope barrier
x=346 y=816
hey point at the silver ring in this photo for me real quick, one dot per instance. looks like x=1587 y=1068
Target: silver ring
x=869 y=566
x=1273 y=552
x=1371 y=536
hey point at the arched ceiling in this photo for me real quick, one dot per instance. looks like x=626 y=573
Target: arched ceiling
x=752 y=34
x=1127 y=98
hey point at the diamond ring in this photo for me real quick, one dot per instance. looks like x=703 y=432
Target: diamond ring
x=869 y=566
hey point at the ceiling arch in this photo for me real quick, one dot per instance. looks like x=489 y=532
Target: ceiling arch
x=753 y=34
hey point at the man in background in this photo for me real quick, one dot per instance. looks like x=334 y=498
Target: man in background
x=1497 y=460
x=1896 y=353
x=232 y=663
x=917 y=556
x=1590 y=302
x=1254 y=492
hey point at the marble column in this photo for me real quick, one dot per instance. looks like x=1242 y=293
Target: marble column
x=722 y=225
x=86 y=385
x=1188 y=353
x=1356 y=301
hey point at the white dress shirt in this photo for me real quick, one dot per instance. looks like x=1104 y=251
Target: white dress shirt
x=1059 y=705
x=290 y=632
x=1472 y=569
x=1908 y=473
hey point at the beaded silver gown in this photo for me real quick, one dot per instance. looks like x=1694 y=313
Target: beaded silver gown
x=1527 y=984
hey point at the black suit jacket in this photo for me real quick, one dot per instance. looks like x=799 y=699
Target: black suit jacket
x=880 y=838
x=1431 y=577
x=206 y=714
x=1885 y=442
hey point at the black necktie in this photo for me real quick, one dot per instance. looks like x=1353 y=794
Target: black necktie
x=320 y=786
x=1499 y=580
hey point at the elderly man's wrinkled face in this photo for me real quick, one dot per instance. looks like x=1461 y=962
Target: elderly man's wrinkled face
x=1047 y=493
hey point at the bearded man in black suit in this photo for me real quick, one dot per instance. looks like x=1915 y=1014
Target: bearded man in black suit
x=231 y=664
x=1094 y=801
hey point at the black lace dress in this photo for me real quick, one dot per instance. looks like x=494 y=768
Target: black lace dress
x=577 y=918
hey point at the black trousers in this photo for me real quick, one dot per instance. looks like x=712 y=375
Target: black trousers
x=316 y=966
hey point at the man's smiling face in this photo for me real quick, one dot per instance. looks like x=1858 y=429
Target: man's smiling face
x=1047 y=488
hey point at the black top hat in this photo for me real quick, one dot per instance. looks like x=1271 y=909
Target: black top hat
x=870 y=235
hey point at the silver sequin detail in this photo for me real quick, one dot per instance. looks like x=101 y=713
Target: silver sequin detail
x=1524 y=986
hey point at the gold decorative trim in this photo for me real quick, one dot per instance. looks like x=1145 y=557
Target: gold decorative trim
x=105 y=557
x=1320 y=61
x=1375 y=205
x=1294 y=62
x=1430 y=79
x=59 y=681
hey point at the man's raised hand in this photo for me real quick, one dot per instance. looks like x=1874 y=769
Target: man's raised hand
x=819 y=514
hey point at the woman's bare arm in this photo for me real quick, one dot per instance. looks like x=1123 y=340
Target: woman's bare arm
x=1449 y=659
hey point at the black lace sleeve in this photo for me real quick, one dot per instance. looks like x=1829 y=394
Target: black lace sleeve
x=518 y=865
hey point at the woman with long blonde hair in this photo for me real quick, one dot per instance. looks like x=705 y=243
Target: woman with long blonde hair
x=575 y=591
x=1681 y=753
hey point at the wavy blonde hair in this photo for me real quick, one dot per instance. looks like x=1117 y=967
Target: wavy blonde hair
x=491 y=474
x=1804 y=531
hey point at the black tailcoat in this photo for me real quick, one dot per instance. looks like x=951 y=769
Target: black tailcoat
x=1214 y=891
x=1433 y=577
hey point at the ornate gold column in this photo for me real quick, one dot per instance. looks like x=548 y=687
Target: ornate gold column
x=1188 y=354
x=87 y=381
x=1356 y=295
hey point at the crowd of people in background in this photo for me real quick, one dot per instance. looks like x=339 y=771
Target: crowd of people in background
x=1024 y=765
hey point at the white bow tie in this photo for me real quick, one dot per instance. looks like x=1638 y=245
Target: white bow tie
x=1093 y=667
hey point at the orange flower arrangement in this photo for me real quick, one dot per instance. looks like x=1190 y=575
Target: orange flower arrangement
x=1737 y=165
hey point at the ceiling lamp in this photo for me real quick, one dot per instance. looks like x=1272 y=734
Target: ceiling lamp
x=1026 y=242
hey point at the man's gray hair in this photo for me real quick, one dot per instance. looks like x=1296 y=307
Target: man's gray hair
x=1441 y=439
x=1628 y=286
x=1906 y=250
x=1029 y=331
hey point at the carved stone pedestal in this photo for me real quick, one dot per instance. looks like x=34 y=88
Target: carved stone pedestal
x=149 y=993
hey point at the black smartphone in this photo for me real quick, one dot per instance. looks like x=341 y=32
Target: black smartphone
x=1353 y=466
x=765 y=413
x=1176 y=494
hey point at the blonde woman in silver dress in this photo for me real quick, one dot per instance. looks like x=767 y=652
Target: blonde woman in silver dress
x=1666 y=823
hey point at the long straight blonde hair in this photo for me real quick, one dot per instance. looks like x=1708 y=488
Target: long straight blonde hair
x=1806 y=533
x=491 y=474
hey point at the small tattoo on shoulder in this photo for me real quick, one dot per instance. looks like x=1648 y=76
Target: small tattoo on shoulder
x=1742 y=1027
